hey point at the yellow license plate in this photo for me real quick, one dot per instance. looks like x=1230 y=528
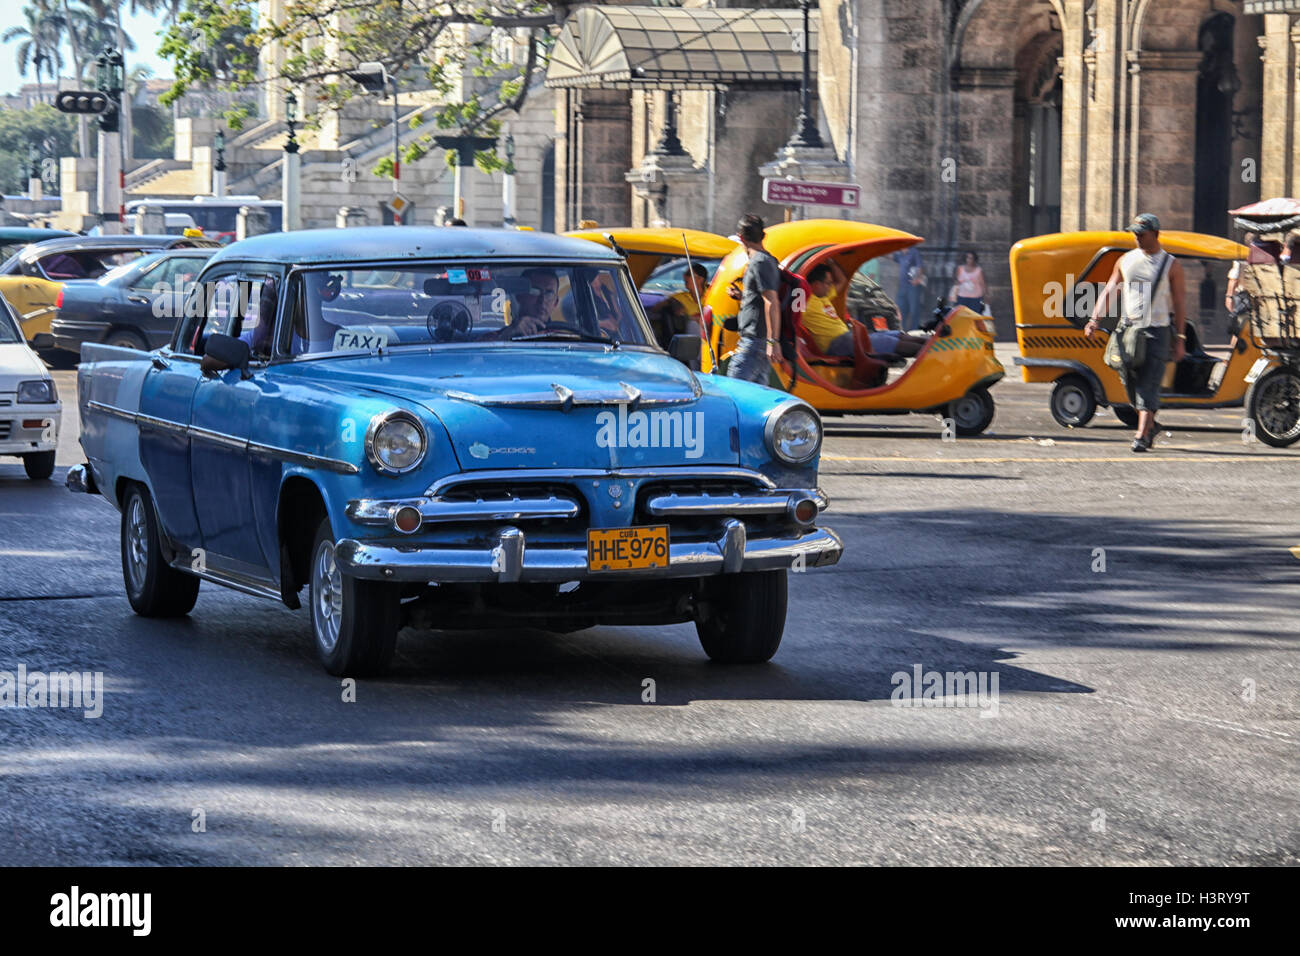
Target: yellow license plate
x=627 y=549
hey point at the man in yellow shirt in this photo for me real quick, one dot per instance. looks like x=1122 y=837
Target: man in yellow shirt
x=679 y=313
x=833 y=335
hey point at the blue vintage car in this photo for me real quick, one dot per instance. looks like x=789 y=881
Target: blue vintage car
x=451 y=427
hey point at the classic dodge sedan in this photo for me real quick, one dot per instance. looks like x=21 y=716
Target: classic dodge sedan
x=450 y=428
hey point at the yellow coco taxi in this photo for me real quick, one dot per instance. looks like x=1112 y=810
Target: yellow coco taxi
x=651 y=251
x=1056 y=280
x=948 y=368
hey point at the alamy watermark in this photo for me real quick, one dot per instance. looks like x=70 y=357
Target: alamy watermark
x=657 y=429
x=977 y=690
x=78 y=690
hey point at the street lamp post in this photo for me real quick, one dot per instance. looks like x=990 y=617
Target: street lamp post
x=805 y=133
x=219 y=164
x=373 y=76
x=290 y=199
x=508 y=184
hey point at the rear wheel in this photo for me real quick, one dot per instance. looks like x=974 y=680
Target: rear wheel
x=1127 y=415
x=1274 y=406
x=1073 y=403
x=126 y=339
x=972 y=413
x=742 y=616
x=354 y=623
x=154 y=588
x=39 y=465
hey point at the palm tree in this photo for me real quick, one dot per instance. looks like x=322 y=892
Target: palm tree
x=38 y=41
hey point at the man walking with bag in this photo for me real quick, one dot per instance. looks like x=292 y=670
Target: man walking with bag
x=759 y=321
x=1153 y=292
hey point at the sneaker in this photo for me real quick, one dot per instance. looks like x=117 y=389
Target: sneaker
x=1141 y=444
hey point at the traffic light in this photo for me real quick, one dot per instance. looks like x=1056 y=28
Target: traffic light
x=81 y=101
x=108 y=119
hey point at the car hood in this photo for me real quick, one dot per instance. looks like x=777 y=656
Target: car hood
x=559 y=407
x=18 y=363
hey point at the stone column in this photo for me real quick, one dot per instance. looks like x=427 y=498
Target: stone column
x=604 y=154
x=1105 y=81
x=252 y=221
x=150 y=221
x=1161 y=159
x=349 y=216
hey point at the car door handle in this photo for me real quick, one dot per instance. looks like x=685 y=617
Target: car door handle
x=141 y=299
x=160 y=363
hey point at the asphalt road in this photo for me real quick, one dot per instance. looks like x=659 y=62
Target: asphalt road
x=1145 y=714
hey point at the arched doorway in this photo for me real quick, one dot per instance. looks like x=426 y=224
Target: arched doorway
x=1037 y=175
x=1216 y=86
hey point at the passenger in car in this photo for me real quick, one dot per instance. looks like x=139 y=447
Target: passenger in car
x=835 y=336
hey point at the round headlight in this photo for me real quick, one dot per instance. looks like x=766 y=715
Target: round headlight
x=395 y=443
x=794 y=434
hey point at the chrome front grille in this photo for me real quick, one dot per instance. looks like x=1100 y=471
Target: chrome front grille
x=4 y=429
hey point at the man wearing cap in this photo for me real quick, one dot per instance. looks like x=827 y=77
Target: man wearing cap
x=1153 y=295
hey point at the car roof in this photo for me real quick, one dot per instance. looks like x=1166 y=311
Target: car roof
x=32 y=234
x=374 y=243
x=76 y=243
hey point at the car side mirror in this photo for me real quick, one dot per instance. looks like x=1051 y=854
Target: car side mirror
x=224 y=352
x=42 y=340
x=684 y=348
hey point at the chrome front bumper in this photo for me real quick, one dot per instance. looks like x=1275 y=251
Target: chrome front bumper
x=511 y=559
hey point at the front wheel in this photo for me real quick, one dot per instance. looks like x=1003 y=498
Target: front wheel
x=972 y=413
x=154 y=588
x=39 y=465
x=354 y=623
x=1073 y=403
x=741 y=617
x=1273 y=404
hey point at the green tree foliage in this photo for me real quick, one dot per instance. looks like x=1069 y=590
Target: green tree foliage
x=51 y=132
x=421 y=41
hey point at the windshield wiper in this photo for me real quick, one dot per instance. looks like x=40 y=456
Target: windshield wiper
x=568 y=334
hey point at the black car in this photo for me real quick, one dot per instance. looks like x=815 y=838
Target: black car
x=134 y=305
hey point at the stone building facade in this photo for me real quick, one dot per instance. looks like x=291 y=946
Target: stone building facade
x=976 y=123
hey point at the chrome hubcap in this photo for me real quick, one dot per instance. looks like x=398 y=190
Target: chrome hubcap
x=327 y=597
x=137 y=543
x=1071 y=403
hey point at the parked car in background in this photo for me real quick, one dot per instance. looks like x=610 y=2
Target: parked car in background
x=14 y=239
x=132 y=306
x=31 y=279
x=456 y=427
x=30 y=411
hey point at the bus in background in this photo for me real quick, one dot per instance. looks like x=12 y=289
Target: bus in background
x=214 y=215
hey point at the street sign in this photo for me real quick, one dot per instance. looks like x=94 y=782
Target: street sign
x=398 y=204
x=794 y=192
x=81 y=101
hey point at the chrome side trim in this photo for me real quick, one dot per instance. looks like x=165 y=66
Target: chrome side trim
x=225 y=440
x=777 y=502
x=568 y=398
x=569 y=475
x=255 y=588
x=379 y=513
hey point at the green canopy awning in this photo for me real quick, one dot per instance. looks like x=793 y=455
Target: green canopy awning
x=698 y=48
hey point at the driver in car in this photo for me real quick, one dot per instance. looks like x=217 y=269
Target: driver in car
x=536 y=307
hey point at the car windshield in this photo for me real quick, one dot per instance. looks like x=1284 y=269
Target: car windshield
x=118 y=271
x=670 y=277
x=86 y=263
x=9 y=333
x=343 y=310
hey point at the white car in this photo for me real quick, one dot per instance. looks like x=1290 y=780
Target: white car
x=30 y=410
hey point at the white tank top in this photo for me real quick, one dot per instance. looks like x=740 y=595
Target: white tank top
x=1142 y=305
